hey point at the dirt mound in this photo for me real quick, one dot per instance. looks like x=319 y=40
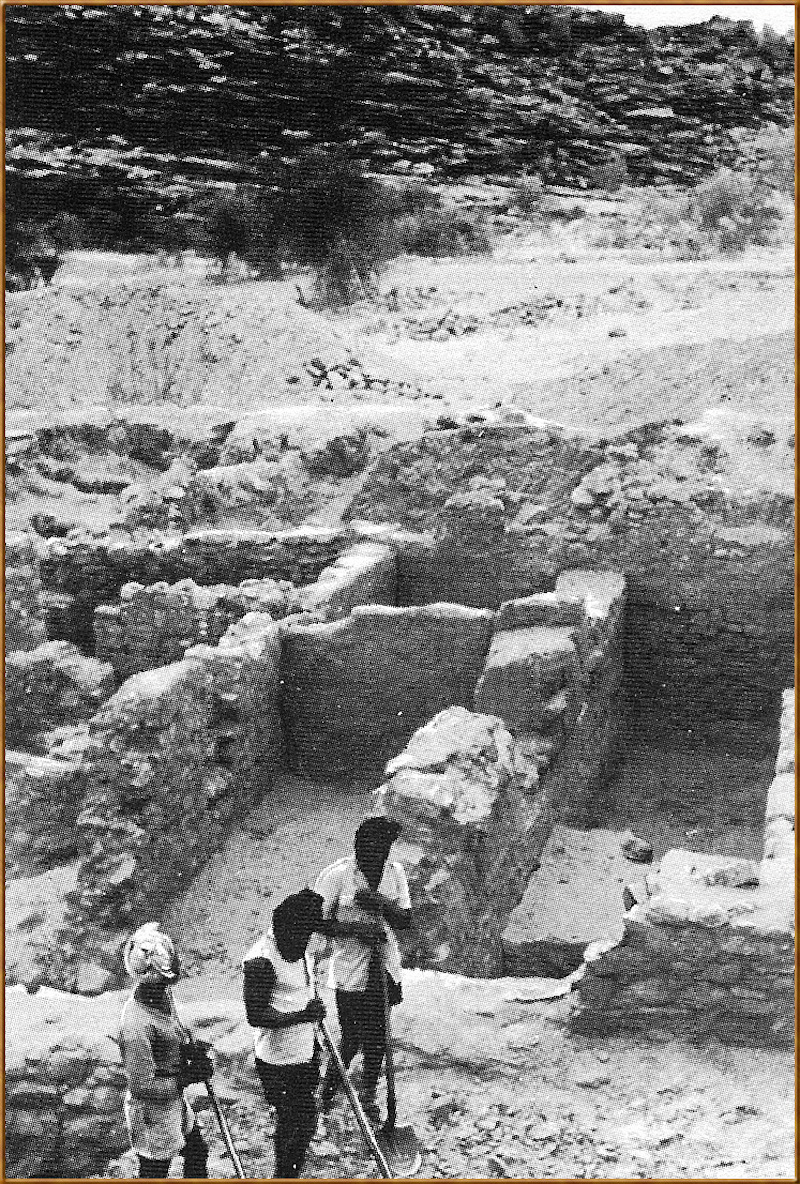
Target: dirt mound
x=138 y=343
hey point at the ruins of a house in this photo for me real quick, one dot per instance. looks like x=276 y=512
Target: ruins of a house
x=487 y=667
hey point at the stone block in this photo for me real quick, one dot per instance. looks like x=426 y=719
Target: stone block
x=473 y=829
x=364 y=574
x=524 y=669
x=542 y=609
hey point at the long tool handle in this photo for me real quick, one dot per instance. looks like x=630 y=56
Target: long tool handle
x=391 y=1099
x=358 y=1110
x=225 y=1129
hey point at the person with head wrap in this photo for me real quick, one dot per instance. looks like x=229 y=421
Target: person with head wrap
x=366 y=900
x=161 y=1123
x=281 y=1004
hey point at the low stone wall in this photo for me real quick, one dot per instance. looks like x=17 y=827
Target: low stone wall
x=49 y=687
x=64 y=1086
x=710 y=949
x=155 y=625
x=475 y=821
x=355 y=689
x=24 y=616
x=81 y=572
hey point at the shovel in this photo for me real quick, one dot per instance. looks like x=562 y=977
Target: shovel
x=399 y=1144
x=225 y=1130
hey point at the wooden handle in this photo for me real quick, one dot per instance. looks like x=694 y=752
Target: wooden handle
x=361 y=1118
x=391 y=1098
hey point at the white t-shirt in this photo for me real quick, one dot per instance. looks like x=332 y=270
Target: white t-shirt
x=292 y=991
x=337 y=885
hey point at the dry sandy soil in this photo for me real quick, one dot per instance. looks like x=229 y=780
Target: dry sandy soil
x=633 y=340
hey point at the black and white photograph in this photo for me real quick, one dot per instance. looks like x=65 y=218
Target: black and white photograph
x=399 y=408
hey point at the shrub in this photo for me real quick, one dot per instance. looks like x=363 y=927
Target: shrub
x=528 y=196
x=442 y=232
x=241 y=225
x=31 y=255
x=737 y=208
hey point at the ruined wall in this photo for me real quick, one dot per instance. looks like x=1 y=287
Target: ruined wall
x=554 y=676
x=355 y=689
x=709 y=568
x=365 y=574
x=178 y=752
x=24 y=619
x=711 y=949
x=50 y=687
x=81 y=571
x=155 y=625
x=64 y=1086
x=475 y=820
x=42 y=802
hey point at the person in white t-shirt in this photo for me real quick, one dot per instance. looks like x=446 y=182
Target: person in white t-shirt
x=282 y=1006
x=365 y=901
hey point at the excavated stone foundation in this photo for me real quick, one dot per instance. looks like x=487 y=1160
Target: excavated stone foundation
x=499 y=646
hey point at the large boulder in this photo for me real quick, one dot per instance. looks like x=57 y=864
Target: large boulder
x=474 y=824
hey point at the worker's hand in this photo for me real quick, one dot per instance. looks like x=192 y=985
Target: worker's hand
x=315 y=1009
x=368 y=931
x=367 y=898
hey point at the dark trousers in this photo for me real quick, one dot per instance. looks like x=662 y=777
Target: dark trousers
x=195 y=1160
x=290 y=1089
x=362 y=1024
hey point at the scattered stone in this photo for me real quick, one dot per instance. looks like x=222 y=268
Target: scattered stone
x=636 y=849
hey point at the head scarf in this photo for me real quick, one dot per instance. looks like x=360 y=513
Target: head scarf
x=150 y=955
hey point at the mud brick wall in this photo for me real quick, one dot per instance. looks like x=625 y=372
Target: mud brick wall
x=42 y=807
x=355 y=689
x=155 y=625
x=711 y=950
x=179 y=751
x=701 y=665
x=49 y=687
x=475 y=820
x=24 y=619
x=64 y=1086
x=85 y=571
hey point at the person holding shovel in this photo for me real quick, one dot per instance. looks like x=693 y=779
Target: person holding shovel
x=281 y=1003
x=160 y=1060
x=366 y=901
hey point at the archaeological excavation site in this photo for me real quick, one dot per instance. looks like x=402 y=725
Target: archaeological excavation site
x=542 y=654
x=399 y=420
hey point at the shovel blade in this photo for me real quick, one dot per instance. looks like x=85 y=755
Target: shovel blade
x=401 y=1149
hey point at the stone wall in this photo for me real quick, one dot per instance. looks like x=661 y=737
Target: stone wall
x=710 y=570
x=355 y=689
x=42 y=806
x=64 y=1085
x=175 y=756
x=475 y=821
x=155 y=625
x=24 y=620
x=52 y=686
x=82 y=571
x=709 y=949
x=365 y=574
x=554 y=676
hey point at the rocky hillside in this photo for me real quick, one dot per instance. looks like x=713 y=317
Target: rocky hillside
x=107 y=105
